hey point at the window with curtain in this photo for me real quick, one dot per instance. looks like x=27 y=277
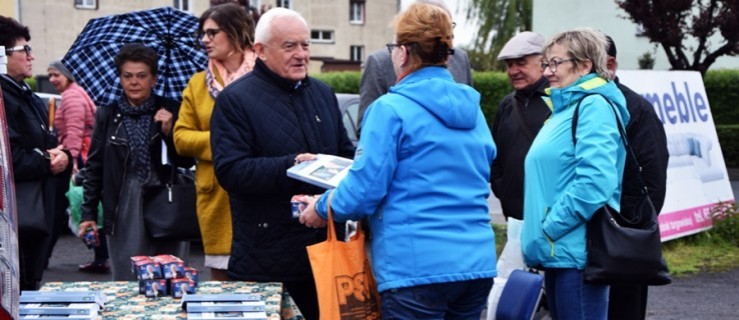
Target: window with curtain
x=86 y=4
x=356 y=11
x=356 y=53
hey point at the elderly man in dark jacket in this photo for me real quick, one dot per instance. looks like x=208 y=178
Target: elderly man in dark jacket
x=519 y=117
x=261 y=125
x=646 y=133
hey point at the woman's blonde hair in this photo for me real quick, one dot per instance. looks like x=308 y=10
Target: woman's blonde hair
x=426 y=31
x=582 y=44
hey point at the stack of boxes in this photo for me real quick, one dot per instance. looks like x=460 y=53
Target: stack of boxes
x=164 y=275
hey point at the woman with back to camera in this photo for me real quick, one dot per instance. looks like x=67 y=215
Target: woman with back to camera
x=421 y=175
x=566 y=181
x=126 y=155
x=226 y=32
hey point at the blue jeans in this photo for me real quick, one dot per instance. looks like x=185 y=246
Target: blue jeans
x=570 y=298
x=449 y=300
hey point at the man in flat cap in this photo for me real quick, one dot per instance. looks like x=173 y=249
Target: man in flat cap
x=519 y=117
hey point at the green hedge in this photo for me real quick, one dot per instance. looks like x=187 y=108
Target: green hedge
x=721 y=88
x=728 y=137
x=341 y=82
x=493 y=86
x=31 y=83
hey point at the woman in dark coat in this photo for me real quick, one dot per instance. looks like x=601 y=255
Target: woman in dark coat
x=125 y=156
x=38 y=159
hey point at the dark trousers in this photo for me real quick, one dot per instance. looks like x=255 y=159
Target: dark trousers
x=101 y=251
x=448 y=300
x=305 y=297
x=627 y=302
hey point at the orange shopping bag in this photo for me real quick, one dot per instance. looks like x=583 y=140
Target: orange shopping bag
x=346 y=287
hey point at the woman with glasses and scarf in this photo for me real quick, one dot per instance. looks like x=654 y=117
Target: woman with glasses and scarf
x=126 y=155
x=39 y=161
x=226 y=32
x=572 y=173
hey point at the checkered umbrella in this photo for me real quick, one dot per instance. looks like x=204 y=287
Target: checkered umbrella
x=169 y=31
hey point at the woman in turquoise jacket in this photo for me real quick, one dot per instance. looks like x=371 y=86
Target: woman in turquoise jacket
x=567 y=181
x=421 y=174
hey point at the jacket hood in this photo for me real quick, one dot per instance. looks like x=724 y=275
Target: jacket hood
x=564 y=98
x=456 y=105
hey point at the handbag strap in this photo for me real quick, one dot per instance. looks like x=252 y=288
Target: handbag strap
x=331 y=228
x=622 y=132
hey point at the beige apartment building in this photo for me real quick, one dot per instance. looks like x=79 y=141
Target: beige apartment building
x=343 y=32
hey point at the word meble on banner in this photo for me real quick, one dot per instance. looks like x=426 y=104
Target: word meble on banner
x=697 y=179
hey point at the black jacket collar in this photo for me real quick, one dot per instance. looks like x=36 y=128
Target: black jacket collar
x=536 y=88
x=262 y=71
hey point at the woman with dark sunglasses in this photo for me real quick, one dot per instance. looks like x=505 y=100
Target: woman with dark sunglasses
x=39 y=161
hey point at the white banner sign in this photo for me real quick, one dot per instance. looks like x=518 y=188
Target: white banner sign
x=696 y=175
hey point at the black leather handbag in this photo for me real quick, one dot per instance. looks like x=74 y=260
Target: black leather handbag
x=31 y=209
x=625 y=248
x=170 y=211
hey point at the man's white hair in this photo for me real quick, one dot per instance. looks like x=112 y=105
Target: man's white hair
x=263 y=31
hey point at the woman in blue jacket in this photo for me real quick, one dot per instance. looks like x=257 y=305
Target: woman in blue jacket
x=567 y=180
x=421 y=173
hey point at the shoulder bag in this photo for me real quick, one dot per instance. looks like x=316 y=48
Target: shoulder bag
x=170 y=211
x=30 y=207
x=624 y=248
x=345 y=284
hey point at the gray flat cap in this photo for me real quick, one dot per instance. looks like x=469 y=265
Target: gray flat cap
x=521 y=45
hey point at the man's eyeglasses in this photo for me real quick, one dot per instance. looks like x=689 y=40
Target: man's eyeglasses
x=553 y=64
x=25 y=48
x=211 y=33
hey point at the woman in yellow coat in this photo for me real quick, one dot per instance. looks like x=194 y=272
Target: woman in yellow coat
x=226 y=32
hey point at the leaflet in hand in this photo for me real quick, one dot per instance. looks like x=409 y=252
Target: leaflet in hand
x=326 y=171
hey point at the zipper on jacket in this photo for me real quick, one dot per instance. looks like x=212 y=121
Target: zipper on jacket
x=124 y=143
x=549 y=240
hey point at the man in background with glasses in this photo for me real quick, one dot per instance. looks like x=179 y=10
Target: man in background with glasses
x=378 y=75
x=39 y=162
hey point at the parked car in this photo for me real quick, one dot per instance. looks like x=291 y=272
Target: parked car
x=46 y=96
x=349 y=106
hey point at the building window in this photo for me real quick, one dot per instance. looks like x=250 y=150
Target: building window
x=356 y=11
x=322 y=36
x=357 y=53
x=86 y=4
x=183 y=5
x=285 y=4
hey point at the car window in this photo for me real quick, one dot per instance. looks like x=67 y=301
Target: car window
x=350 y=116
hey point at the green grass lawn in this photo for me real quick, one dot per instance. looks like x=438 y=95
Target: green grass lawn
x=714 y=250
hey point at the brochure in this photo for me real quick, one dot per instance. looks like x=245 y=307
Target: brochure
x=63 y=296
x=227 y=315
x=59 y=308
x=218 y=306
x=326 y=171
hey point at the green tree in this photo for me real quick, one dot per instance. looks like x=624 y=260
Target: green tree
x=669 y=23
x=498 y=21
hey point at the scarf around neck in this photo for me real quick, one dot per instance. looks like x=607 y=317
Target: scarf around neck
x=137 y=123
x=216 y=73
